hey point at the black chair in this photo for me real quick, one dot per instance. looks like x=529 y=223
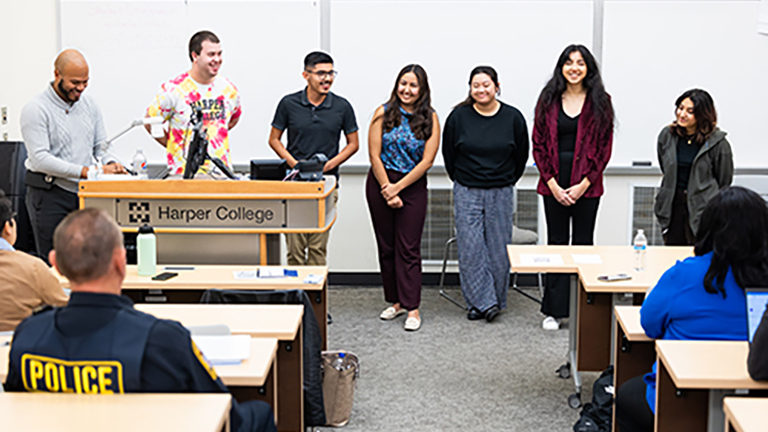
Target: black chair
x=314 y=407
x=519 y=236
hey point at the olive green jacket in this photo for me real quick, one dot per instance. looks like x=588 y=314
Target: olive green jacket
x=712 y=170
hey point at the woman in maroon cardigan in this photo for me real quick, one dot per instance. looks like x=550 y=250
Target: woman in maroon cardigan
x=572 y=136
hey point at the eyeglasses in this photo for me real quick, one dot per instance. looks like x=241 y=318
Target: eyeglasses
x=323 y=74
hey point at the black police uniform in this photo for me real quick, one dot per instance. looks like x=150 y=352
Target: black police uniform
x=99 y=343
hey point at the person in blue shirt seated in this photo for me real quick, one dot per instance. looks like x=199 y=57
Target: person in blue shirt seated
x=702 y=297
x=99 y=344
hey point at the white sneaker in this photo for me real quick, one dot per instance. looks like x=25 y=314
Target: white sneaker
x=412 y=324
x=391 y=313
x=550 y=323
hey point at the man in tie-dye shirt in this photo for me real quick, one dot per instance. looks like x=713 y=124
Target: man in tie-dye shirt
x=202 y=88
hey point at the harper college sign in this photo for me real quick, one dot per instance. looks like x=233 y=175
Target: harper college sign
x=201 y=213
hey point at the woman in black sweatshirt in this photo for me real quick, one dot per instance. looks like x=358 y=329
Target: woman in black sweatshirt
x=485 y=150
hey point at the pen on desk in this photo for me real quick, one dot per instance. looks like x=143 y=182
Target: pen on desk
x=177 y=268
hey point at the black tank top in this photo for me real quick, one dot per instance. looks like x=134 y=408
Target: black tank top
x=567 y=128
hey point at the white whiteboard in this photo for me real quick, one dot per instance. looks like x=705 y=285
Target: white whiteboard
x=372 y=40
x=134 y=46
x=653 y=51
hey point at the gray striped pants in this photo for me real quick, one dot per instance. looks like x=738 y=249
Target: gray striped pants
x=483 y=229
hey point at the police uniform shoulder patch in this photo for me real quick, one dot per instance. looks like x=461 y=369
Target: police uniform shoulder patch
x=203 y=361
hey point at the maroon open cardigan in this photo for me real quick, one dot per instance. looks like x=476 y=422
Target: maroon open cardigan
x=591 y=155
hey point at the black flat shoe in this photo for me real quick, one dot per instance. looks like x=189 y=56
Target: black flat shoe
x=474 y=315
x=492 y=313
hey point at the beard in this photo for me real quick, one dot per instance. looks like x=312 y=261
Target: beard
x=65 y=92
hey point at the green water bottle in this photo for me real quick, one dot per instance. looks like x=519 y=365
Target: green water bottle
x=146 y=247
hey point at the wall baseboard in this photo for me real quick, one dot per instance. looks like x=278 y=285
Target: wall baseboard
x=428 y=280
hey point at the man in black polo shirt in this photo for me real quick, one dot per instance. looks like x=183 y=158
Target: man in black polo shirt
x=315 y=118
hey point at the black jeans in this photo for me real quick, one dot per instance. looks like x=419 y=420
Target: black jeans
x=46 y=209
x=679 y=232
x=582 y=215
x=632 y=411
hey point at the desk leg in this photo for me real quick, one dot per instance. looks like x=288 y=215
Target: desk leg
x=290 y=375
x=266 y=393
x=630 y=360
x=593 y=339
x=319 y=301
x=678 y=410
x=574 y=400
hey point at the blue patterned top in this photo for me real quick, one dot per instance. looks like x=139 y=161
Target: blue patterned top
x=400 y=150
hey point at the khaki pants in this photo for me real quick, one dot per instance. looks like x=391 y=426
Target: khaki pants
x=309 y=249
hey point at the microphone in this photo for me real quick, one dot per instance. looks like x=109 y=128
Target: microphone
x=149 y=121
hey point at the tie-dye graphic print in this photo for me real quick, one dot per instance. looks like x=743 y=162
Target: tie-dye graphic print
x=220 y=104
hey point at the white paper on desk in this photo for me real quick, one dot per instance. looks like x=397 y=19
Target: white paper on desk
x=586 y=258
x=224 y=350
x=541 y=259
x=313 y=279
x=245 y=274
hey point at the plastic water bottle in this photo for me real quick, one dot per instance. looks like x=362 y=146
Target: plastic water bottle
x=146 y=248
x=641 y=243
x=140 y=163
x=338 y=362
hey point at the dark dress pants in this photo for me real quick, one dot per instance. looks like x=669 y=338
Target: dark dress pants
x=582 y=216
x=632 y=411
x=398 y=236
x=679 y=232
x=46 y=209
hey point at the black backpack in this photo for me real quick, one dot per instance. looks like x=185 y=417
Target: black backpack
x=596 y=415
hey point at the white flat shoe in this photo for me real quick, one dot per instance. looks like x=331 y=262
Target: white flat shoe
x=412 y=324
x=391 y=313
x=550 y=323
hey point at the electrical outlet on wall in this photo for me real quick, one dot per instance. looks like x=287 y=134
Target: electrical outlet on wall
x=4 y=115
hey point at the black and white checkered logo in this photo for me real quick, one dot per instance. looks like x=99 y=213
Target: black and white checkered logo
x=138 y=212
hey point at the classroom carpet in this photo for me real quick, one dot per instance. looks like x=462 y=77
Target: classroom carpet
x=453 y=374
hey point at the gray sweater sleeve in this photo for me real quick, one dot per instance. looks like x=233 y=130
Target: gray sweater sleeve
x=35 y=130
x=757 y=361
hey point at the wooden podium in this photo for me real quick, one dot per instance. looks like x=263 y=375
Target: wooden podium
x=214 y=221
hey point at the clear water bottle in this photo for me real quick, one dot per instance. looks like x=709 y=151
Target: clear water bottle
x=140 y=163
x=146 y=249
x=339 y=362
x=640 y=244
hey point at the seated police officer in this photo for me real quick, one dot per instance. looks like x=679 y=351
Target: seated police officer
x=99 y=343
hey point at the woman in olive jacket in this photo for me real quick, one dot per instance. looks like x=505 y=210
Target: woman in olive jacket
x=696 y=162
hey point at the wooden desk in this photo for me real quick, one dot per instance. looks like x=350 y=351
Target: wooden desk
x=254 y=377
x=282 y=322
x=692 y=379
x=634 y=352
x=592 y=301
x=28 y=412
x=745 y=414
x=189 y=285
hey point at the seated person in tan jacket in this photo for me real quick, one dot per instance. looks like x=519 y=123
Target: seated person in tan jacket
x=26 y=282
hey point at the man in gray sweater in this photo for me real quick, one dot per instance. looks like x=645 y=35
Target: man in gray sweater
x=64 y=135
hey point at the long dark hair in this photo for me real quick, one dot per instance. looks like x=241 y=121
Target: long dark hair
x=421 y=118
x=488 y=70
x=593 y=83
x=703 y=111
x=734 y=226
